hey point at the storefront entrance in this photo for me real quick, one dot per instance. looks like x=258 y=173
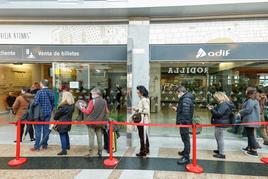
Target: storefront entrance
x=203 y=79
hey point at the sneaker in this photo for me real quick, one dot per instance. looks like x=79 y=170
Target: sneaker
x=216 y=151
x=33 y=139
x=251 y=153
x=183 y=160
x=219 y=156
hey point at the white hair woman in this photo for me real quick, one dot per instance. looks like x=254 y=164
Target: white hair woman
x=64 y=114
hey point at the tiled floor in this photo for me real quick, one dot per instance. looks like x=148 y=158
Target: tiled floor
x=160 y=147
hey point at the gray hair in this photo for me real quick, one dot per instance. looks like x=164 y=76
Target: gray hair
x=96 y=90
x=181 y=89
x=45 y=82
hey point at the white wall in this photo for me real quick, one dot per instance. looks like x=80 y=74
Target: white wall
x=209 y=32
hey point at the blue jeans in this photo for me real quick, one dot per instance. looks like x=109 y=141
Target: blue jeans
x=65 y=141
x=38 y=130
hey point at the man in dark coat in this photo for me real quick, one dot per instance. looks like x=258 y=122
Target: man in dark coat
x=185 y=109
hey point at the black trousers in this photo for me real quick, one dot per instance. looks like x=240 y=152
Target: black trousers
x=186 y=141
x=252 y=143
x=144 y=149
x=29 y=128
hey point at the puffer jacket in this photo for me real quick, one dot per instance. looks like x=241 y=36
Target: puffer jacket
x=64 y=114
x=221 y=114
x=185 y=109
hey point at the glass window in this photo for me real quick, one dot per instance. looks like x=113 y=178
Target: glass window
x=82 y=77
x=203 y=80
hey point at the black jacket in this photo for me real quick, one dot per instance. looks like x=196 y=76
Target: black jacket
x=221 y=114
x=64 y=114
x=185 y=109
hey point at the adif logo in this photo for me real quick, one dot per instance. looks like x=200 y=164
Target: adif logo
x=221 y=53
x=201 y=53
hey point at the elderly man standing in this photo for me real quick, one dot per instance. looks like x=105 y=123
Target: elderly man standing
x=45 y=100
x=95 y=111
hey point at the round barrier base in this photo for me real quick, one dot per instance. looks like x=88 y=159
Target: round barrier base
x=194 y=169
x=15 y=162
x=264 y=160
x=111 y=163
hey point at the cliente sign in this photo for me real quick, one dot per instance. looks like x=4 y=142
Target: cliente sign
x=188 y=70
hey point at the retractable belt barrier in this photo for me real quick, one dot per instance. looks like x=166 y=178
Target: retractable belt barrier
x=111 y=161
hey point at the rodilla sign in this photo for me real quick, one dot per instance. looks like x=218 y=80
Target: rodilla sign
x=209 y=52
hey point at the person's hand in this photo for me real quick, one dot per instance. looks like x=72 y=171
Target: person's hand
x=210 y=107
x=81 y=105
x=135 y=110
x=174 y=108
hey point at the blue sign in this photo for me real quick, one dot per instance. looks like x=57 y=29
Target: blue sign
x=209 y=52
x=92 y=53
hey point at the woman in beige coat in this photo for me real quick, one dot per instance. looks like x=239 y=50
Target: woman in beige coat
x=143 y=107
x=20 y=107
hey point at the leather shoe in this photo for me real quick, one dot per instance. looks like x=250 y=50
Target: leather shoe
x=216 y=151
x=16 y=141
x=34 y=149
x=63 y=152
x=44 y=147
x=183 y=160
x=141 y=155
x=68 y=148
x=181 y=153
x=219 y=156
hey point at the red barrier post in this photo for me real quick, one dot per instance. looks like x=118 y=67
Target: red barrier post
x=193 y=167
x=264 y=160
x=18 y=161
x=111 y=162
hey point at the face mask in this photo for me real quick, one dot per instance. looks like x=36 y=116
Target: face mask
x=180 y=95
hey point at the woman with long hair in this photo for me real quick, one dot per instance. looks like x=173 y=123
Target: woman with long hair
x=250 y=112
x=143 y=108
x=64 y=114
x=221 y=114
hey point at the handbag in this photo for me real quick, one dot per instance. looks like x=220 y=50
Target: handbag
x=136 y=117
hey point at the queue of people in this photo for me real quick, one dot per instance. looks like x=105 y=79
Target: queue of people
x=97 y=110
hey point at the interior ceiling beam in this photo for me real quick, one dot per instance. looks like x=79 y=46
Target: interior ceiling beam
x=120 y=20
